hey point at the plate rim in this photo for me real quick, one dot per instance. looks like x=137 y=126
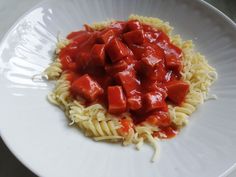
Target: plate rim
x=9 y=146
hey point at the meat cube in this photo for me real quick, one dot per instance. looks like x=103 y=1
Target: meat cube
x=70 y=50
x=134 y=37
x=177 y=91
x=116 y=100
x=82 y=60
x=106 y=36
x=86 y=87
x=159 y=118
x=154 y=101
x=133 y=25
x=79 y=36
x=98 y=54
x=173 y=55
x=137 y=50
x=154 y=86
x=163 y=37
x=153 y=67
x=72 y=76
x=67 y=63
x=158 y=51
x=118 y=27
x=170 y=76
x=152 y=55
x=129 y=60
x=149 y=62
x=131 y=87
x=158 y=74
x=119 y=66
x=173 y=63
x=116 y=50
x=172 y=49
x=129 y=82
x=134 y=102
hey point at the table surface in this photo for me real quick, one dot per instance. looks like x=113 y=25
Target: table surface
x=9 y=165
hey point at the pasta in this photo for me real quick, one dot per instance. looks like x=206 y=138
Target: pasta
x=96 y=122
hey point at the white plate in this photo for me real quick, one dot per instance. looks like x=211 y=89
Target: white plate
x=38 y=133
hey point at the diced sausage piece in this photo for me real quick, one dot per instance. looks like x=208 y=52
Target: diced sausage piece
x=129 y=82
x=131 y=87
x=165 y=107
x=159 y=52
x=170 y=76
x=151 y=37
x=129 y=60
x=159 y=118
x=82 y=60
x=154 y=86
x=116 y=67
x=104 y=81
x=149 y=85
x=177 y=91
x=78 y=36
x=172 y=49
x=98 y=54
x=118 y=27
x=158 y=74
x=133 y=25
x=72 y=76
x=173 y=63
x=134 y=37
x=106 y=36
x=137 y=50
x=86 y=87
x=173 y=55
x=116 y=50
x=140 y=51
x=154 y=101
x=153 y=67
x=116 y=100
x=163 y=37
x=134 y=102
x=67 y=63
x=70 y=50
x=149 y=62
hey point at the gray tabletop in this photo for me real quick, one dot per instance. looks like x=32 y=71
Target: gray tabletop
x=9 y=165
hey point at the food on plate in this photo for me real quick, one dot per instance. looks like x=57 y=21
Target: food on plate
x=130 y=81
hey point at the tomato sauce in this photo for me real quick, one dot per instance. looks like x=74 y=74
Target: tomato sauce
x=127 y=67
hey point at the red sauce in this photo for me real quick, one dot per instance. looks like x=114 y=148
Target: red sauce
x=126 y=125
x=127 y=66
x=168 y=132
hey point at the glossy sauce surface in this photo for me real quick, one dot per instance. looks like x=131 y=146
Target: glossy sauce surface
x=127 y=67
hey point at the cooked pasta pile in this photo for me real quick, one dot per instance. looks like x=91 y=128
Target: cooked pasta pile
x=97 y=123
